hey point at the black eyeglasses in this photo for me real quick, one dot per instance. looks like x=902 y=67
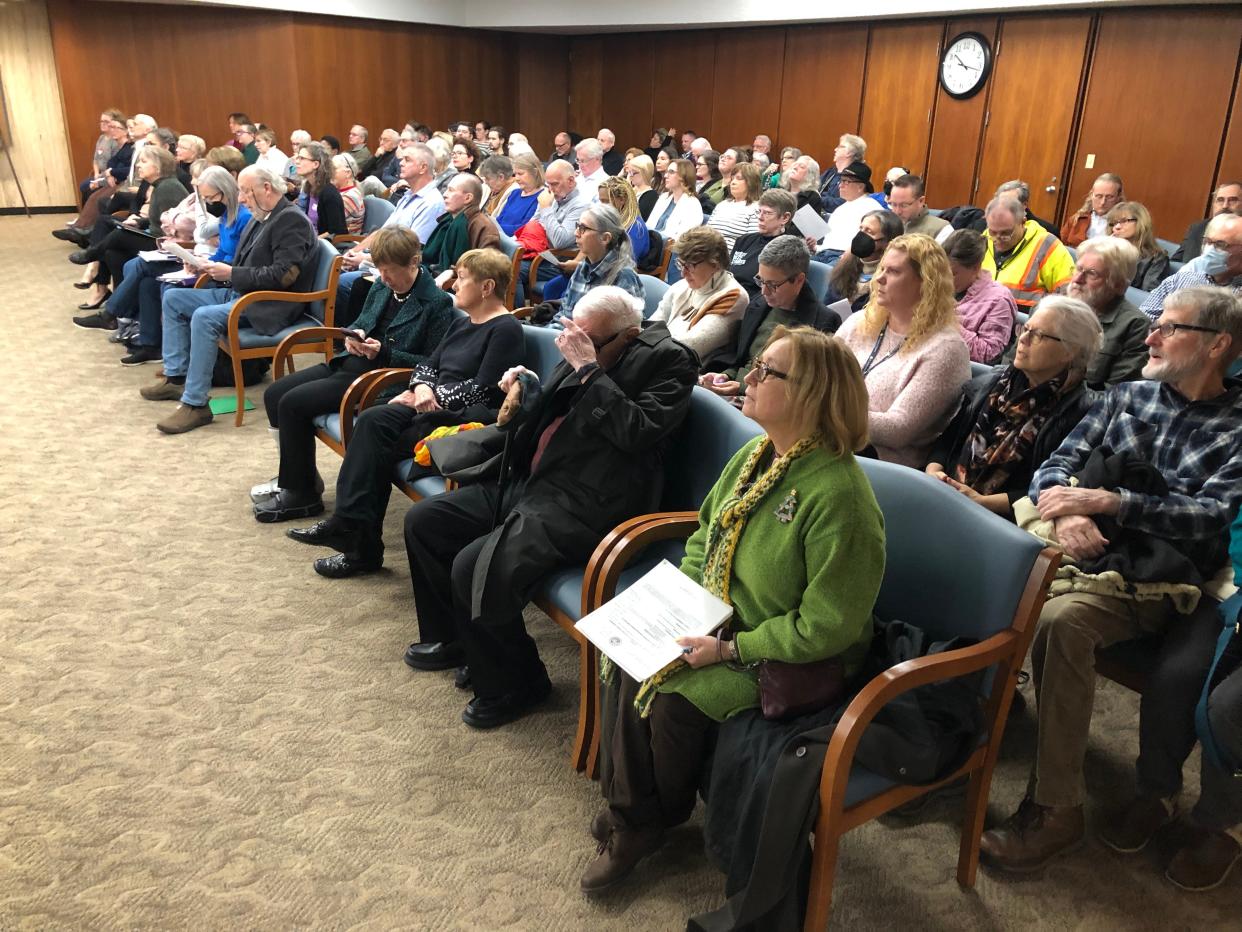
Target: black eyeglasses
x=1168 y=329
x=1036 y=335
x=583 y=228
x=772 y=286
x=764 y=371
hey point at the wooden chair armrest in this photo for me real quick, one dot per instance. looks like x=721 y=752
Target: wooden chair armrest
x=203 y=281
x=538 y=261
x=307 y=335
x=292 y=297
x=352 y=402
x=625 y=542
x=346 y=238
x=523 y=313
x=382 y=379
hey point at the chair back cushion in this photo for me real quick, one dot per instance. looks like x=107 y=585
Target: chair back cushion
x=542 y=355
x=653 y=291
x=953 y=568
x=328 y=259
x=817 y=276
x=375 y=210
x=1136 y=296
x=697 y=454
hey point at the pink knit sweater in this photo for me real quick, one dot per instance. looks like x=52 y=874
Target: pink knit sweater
x=912 y=394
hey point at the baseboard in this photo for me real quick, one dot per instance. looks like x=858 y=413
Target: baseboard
x=10 y=211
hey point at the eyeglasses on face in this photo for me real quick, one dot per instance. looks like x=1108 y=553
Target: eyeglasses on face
x=682 y=265
x=1220 y=244
x=772 y=286
x=1089 y=274
x=763 y=371
x=582 y=228
x=1036 y=336
x=1166 y=330
x=1120 y=220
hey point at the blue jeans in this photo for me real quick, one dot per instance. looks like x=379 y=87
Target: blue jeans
x=344 y=285
x=194 y=318
x=137 y=297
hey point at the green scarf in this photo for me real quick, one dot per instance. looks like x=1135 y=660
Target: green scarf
x=447 y=242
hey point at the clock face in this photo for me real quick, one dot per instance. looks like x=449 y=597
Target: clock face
x=965 y=65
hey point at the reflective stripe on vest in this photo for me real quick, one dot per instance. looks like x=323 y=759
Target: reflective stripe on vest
x=1028 y=291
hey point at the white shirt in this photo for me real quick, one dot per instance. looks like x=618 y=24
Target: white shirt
x=588 y=185
x=1097 y=225
x=843 y=222
x=686 y=214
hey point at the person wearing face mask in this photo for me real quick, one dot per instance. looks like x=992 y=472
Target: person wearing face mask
x=851 y=277
x=1220 y=264
x=1226 y=199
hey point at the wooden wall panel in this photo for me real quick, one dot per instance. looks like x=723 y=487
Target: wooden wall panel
x=898 y=95
x=36 y=128
x=629 y=90
x=821 y=88
x=684 y=83
x=542 y=89
x=744 y=101
x=1231 y=152
x=1022 y=139
x=958 y=129
x=586 y=85
x=1163 y=77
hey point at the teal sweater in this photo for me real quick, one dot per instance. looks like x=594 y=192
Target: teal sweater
x=801 y=591
x=417 y=329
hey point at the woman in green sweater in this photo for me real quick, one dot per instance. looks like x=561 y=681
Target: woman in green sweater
x=790 y=536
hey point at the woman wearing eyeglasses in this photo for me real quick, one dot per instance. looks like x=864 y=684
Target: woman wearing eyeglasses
x=319 y=198
x=1131 y=222
x=791 y=536
x=703 y=309
x=913 y=357
x=677 y=209
x=606 y=259
x=1014 y=417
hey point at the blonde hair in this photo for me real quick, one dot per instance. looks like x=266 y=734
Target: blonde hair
x=644 y=166
x=937 y=309
x=826 y=384
x=614 y=190
x=482 y=264
x=1144 y=236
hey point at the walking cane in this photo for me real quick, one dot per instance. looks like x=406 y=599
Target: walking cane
x=522 y=399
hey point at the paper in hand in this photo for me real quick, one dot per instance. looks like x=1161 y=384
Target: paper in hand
x=810 y=223
x=180 y=252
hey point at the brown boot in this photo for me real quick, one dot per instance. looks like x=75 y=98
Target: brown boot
x=1204 y=863
x=619 y=855
x=601 y=826
x=1132 y=828
x=185 y=419
x=161 y=390
x=1032 y=837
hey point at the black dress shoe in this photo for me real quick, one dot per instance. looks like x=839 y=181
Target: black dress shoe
x=75 y=235
x=342 y=566
x=327 y=533
x=461 y=678
x=81 y=257
x=100 y=320
x=287 y=505
x=484 y=712
x=435 y=655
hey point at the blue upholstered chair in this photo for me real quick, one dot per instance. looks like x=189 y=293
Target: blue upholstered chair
x=1168 y=246
x=979 y=368
x=375 y=210
x=653 y=290
x=817 y=275
x=1136 y=296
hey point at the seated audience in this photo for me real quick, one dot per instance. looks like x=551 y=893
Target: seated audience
x=1020 y=191
x=297 y=139
x=708 y=182
x=802 y=179
x=562 y=148
x=851 y=276
x=465 y=155
x=496 y=141
x=1014 y=417
x=985 y=308
x=120 y=195
x=907 y=200
x=590 y=169
x=660 y=138
x=850 y=149
x=730 y=159
x=236 y=122
x=677 y=209
x=111 y=137
x=687 y=140
x=1022 y=256
x=496 y=171
x=776 y=210
x=383 y=160
x=610 y=158
x=582 y=463
x=188 y=150
x=640 y=174
x=737 y=214
x=403 y=321
x=801 y=593
x=1226 y=199
x=444 y=169
x=462 y=227
x=245 y=142
x=560 y=205
x=1102 y=272
x=1131 y=222
x=778 y=170
x=521 y=205
x=331 y=145
x=269 y=154
x=228 y=158
x=762 y=145
x=853 y=185
x=1091 y=220
x=913 y=358
x=278 y=251
x=358 y=136
x=1219 y=264
x=703 y=309
x=700 y=145
x=319 y=198
x=785 y=299
x=455 y=385
x=607 y=259
x=1170 y=531
x=344 y=179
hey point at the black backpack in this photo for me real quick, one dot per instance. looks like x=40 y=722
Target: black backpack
x=253 y=371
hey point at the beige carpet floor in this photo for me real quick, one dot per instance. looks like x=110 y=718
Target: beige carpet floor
x=197 y=732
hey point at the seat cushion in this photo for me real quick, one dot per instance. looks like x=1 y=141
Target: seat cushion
x=865 y=785
x=563 y=589
x=249 y=338
x=329 y=424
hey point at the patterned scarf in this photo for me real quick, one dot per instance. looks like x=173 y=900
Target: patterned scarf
x=752 y=487
x=1004 y=436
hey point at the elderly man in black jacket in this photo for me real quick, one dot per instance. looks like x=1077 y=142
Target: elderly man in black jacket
x=587 y=458
x=278 y=251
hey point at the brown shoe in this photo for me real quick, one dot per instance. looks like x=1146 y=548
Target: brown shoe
x=161 y=390
x=619 y=855
x=1032 y=837
x=1129 y=831
x=185 y=419
x=601 y=826
x=1205 y=863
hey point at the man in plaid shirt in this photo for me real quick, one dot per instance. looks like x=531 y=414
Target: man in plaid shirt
x=1187 y=423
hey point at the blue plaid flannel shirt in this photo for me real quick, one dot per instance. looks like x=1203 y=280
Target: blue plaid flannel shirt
x=1195 y=445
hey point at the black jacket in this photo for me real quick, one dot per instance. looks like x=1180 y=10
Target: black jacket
x=1192 y=245
x=808 y=307
x=1069 y=410
x=280 y=253
x=613 y=160
x=377 y=165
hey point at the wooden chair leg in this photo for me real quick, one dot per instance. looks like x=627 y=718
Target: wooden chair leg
x=588 y=663
x=823 y=875
x=240 y=384
x=592 y=765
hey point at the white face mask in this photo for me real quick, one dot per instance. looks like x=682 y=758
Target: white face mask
x=1213 y=261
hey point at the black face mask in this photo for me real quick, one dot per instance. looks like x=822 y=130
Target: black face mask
x=217 y=209
x=888 y=188
x=862 y=246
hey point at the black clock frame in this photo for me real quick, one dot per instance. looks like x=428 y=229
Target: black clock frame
x=987 y=64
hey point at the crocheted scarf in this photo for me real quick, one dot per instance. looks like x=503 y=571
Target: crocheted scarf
x=717 y=296
x=1004 y=436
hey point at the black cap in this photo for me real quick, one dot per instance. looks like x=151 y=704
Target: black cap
x=861 y=171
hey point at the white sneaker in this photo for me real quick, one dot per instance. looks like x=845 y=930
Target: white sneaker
x=264 y=490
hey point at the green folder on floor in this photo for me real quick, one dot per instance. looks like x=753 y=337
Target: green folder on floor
x=228 y=405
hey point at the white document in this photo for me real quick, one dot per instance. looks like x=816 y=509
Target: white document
x=180 y=252
x=153 y=255
x=547 y=256
x=638 y=629
x=810 y=223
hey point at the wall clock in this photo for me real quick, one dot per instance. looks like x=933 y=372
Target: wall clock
x=965 y=65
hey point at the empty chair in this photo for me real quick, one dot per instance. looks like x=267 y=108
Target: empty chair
x=653 y=291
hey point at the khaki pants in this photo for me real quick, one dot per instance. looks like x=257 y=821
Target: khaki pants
x=1071 y=627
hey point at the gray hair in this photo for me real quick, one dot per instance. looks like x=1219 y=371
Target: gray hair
x=1215 y=308
x=1019 y=189
x=440 y=153
x=856 y=144
x=362 y=131
x=786 y=253
x=269 y=176
x=1008 y=204
x=348 y=161
x=611 y=135
x=624 y=310
x=811 y=181
x=220 y=178
x=142 y=119
x=300 y=137
x=422 y=152
x=1120 y=259
x=589 y=149
x=1078 y=326
x=1219 y=222
x=608 y=219
x=496 y=166
x=761 y=160
x=194 y=142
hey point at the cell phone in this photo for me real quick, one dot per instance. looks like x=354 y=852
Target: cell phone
x=353 y=334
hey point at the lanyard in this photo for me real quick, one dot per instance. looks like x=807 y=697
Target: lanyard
x=872 y=362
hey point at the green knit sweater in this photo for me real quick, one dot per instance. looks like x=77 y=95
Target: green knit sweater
x=801 y=591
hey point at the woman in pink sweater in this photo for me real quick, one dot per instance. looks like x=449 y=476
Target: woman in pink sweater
x=985 y=308
x=913 y=358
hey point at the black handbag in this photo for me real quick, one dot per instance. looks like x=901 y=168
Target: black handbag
x=787 y=690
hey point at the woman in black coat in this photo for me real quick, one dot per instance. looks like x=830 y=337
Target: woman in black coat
x=1013 y=417
x=319 y=198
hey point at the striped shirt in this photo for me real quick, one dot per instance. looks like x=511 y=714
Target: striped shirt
x=1188 y=277
x=732 y=219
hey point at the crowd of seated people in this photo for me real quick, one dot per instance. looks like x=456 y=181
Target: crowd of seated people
x=1108 y=429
